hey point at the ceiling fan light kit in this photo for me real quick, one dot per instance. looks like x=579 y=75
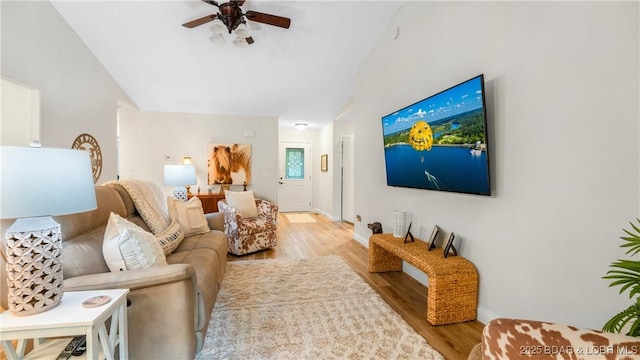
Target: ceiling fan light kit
x=242 y=31
x=218 y=27
x=230 y=18
x=240 y=42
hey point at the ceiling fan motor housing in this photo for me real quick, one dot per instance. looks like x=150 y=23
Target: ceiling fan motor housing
x=231 y=15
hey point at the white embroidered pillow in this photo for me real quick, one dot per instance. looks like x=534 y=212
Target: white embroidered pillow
x=170 y=238
x=127 y=246
x=243 y=201
x=189 y=215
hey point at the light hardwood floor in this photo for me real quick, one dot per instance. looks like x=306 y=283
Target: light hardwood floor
x=404 y=294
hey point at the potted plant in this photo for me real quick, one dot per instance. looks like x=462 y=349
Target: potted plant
x=627 y=274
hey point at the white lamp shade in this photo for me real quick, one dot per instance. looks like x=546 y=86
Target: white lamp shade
x=218 y=27
x=45 y=182
x=242 y=31
x=180 y=175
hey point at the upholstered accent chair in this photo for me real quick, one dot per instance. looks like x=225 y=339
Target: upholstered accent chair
x=249 y=234
x=527 y=339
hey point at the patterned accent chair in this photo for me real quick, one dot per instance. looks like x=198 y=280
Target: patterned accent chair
x=526 y=339
x=247 y=235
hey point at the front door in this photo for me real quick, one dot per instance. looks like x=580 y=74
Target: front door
x=294 y=191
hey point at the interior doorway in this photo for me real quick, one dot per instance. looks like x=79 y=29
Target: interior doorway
x=294 y=184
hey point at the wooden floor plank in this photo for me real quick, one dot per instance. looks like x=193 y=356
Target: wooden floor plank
x=404 y=294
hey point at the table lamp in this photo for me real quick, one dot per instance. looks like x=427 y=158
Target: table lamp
x=181 y=176
x=37 y=183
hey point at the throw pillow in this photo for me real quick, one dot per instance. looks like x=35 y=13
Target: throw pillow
x=189 y=215
x=170 y=238
x=127 y=246
x=243 y=201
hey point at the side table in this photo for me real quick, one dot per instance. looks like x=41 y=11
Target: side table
x=70 y=318
x=209 y=201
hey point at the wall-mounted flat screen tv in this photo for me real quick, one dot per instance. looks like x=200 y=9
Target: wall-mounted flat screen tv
x=440 y=143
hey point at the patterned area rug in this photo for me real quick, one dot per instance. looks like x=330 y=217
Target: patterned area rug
x=316 y=308
x=300 y=218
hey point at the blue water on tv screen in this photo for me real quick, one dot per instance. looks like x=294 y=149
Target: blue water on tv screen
x=440 y=143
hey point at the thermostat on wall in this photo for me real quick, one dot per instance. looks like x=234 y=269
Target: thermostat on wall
x=249 y=133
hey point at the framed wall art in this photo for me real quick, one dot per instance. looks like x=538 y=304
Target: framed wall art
x=229 y=164
x=88 y=143
x=324 y=162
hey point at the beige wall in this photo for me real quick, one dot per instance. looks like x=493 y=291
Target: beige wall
x=562 y=81
x=77 y=94
x=147 y=138
x=19 y=114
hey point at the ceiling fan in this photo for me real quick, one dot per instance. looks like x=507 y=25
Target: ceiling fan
x=231 y=18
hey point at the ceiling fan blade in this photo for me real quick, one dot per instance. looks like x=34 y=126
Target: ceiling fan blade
x=268 y=19
x=238 y=2
x=197 y=22
x=250 y=40
x=211 y=2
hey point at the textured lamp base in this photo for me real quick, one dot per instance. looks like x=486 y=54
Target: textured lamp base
x=34 y=265
x=180 y=194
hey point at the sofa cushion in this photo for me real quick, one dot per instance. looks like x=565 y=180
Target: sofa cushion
x=189 y=215
x=170 y=238
x=82 y=255
x=108 y=201
x=127 y=246
x=126 y=199
x=207 y=253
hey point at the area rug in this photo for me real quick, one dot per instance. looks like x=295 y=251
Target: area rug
x=300 y=218
x=315 y=308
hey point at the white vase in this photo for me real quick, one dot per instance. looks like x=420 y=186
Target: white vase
x=399 y=221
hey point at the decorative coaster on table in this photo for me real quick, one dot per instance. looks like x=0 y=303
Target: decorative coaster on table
x=96 y=301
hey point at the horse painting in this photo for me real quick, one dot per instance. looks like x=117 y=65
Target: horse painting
x=229 y=164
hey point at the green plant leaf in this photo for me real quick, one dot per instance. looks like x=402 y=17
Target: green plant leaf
x=633 y=240
x=626 y=274
x=631 y=314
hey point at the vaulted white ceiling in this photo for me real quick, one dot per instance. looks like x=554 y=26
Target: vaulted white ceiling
x=304 y=73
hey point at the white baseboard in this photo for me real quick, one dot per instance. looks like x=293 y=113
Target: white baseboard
x=484 y=315
x=361 y=239
x=328 y=216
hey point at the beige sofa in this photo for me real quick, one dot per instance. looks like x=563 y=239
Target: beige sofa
x=170 y=306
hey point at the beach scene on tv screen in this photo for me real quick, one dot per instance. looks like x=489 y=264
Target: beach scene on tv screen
x=440 y=142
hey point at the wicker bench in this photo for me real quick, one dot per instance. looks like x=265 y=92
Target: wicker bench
x=452 y=294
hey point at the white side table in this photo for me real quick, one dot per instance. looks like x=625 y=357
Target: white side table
x=70 y=318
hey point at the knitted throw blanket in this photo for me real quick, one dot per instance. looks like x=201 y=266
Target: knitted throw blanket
x=149 y=201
